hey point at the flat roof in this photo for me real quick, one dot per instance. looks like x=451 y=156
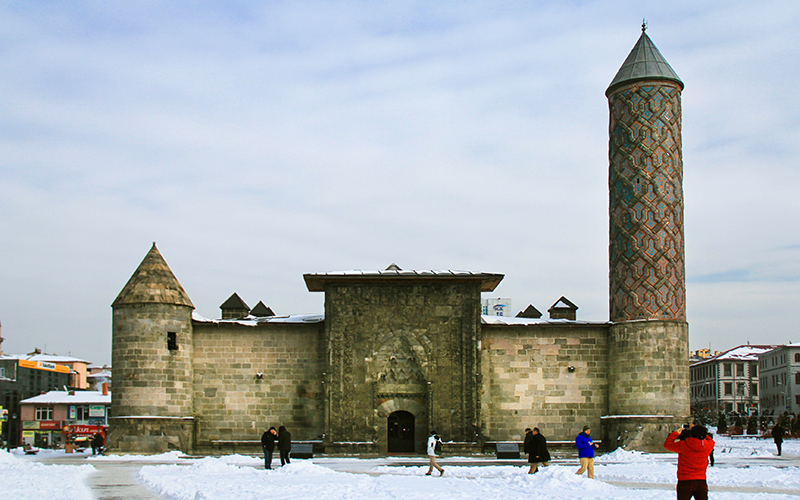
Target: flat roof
x=316 y=281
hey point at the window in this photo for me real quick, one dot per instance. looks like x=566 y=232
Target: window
x=728 y=389
x=740 y=369
x=740 y=388
x=44 y=413
x=79 y=412
x=797 y=399
x=172 y=341
x=3 y=371
x=726 y=369
x=797 y=378
x=796 y=358
x=754 y=389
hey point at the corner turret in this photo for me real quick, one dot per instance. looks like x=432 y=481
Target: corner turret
x=151 y=405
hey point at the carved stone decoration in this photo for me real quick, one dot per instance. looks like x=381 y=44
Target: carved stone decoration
x=399 y=368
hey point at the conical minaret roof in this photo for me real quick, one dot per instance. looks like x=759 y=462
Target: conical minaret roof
x=153 y=283
x=644 y=62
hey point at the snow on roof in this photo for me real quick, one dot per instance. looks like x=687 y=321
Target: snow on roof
x=103 y=374
x=740 y=353
x=46 y=358
x=254 y=321
x=509 y=320
x=76 y=397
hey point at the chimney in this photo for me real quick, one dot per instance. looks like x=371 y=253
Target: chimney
x=105 y=388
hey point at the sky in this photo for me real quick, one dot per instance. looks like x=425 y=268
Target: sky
x=745 y=469
x=258 y=141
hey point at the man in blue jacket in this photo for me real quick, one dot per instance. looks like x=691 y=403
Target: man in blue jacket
x=586 y=451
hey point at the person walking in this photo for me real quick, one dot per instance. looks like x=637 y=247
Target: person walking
x=586 y=449
x=777 y=435
x=268 y=445
x=535 y=446
x=693 y=454
x=433 y=440
x=97 y=444
x=284 y=444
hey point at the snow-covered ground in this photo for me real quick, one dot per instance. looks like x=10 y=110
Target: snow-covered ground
x=745 y=469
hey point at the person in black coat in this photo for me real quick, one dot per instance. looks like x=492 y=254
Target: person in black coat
x=777 y=435
x=535 y=446
x=284 y=444
x=268 y=445
x=97 y=444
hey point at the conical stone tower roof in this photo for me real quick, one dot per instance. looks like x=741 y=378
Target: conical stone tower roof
x=153 y=283
x=645 y=62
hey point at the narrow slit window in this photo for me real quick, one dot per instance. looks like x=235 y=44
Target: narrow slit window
x=172 y=341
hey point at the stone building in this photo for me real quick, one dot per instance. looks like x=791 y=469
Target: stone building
x=397 y=353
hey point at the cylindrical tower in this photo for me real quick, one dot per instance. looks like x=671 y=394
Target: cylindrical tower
x=151 y=404
x=648 y=348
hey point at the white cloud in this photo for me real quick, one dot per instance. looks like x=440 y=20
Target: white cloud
x=256 y=143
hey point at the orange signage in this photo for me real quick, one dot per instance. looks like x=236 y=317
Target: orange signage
x=43 y=365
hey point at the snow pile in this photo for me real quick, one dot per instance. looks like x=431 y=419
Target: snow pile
x=169 y=457
x=21 y=479
x=746 y=469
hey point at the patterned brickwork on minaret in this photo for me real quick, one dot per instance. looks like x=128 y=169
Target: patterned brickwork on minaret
x=646 y=256
x=648 y=376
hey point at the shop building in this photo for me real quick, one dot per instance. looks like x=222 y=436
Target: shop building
x=56 y=418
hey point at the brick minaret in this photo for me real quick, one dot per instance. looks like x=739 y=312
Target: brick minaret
x=648 y=348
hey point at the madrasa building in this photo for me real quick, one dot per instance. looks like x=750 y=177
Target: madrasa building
x=397 y=352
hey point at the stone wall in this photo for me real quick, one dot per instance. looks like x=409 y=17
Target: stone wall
x=527 y=380
x=402 y=346
x=231 y=403
x=149 y=378
x=650 y=372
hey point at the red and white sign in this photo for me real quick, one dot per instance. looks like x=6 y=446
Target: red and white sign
x=81 y=430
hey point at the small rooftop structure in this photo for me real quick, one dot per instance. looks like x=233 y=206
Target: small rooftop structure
x=563 y=309
x=234 y=307
x=261 y=311
x=529 y=312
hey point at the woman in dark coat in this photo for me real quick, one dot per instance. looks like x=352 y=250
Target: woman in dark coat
x=284 y=444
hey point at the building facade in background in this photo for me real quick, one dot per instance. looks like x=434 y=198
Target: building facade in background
x=398 y=353
x=21 y=379
x=56 y=418
x=728 y=382
x=780 y=380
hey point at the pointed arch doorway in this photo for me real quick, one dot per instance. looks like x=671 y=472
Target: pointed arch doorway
x=401 y=432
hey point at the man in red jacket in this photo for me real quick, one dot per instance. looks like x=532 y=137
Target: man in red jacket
x=693 y=455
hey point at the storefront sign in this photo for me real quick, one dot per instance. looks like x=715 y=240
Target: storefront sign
x=81 y=430
x=49 y=425
x=42 y=365
x=97 y=411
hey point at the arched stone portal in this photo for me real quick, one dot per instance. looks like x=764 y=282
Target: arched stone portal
x=400 y=429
